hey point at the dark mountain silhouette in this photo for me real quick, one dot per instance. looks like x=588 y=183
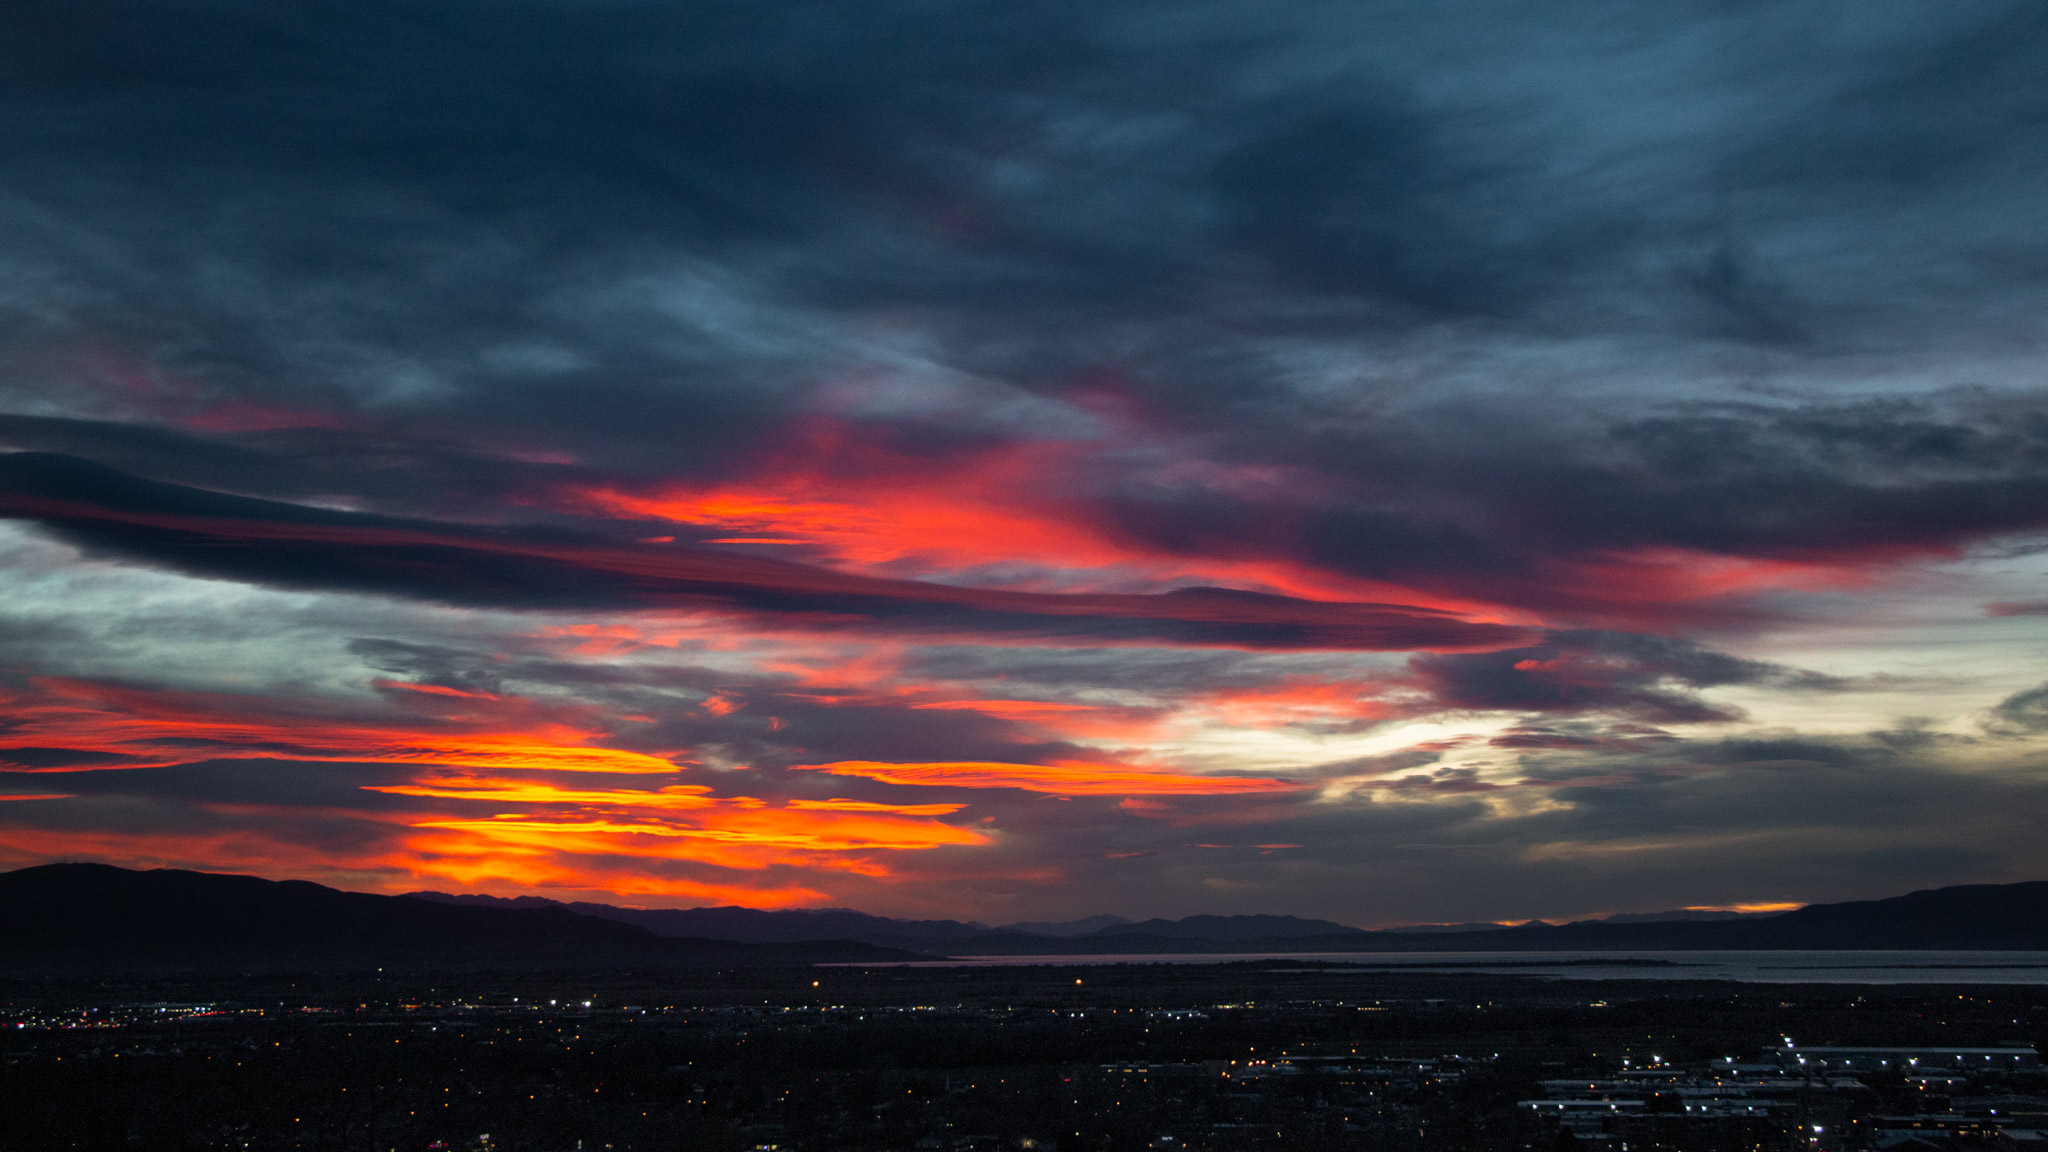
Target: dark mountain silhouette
x=755 y=926
x=748 y=925
x=1065 y=927
x=1682 y=914
x=97 y=917
x=90 y=916
x=1969 y=917
x=752 y=925
x=1976 y=916
x=1446 y=929
x=1222 y=928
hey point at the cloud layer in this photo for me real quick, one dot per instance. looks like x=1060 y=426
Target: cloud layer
x=979 y=459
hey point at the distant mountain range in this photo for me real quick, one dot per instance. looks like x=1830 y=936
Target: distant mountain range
x=92 y=917
x=1968 y=917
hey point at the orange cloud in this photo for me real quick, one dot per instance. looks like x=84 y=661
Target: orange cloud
x=398 y=863
x=480 y=748
x=803 y=595
x=869 y=508
x=684 y=822
x=741 y=839
x=674 y=796
x=1073 y=779
x=490 y=863
x=1007 y=707
x=1075 y=721
x=869 y=806
x=448 y=727
x=1297 y=702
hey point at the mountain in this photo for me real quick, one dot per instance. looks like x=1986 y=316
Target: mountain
x=747 y=925
x=1682 y=914
x=95 y=917
x=752 y=925
x=1616 y=918
x=1446 y=929
x=1967 y=917
x=1973 y=916
x=1224 y=928
x=1079 y=927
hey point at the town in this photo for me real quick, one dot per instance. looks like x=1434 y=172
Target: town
x=1113 y=1058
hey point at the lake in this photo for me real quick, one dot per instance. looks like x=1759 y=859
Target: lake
x=1889 y=967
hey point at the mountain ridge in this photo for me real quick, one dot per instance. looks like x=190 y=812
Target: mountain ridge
x=1992 y=916
x=100 y=917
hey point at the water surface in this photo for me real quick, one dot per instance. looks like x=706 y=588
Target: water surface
x=1811 y=967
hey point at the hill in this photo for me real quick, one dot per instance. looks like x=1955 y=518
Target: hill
x=1979 y=916
x=752 y=925
x=1967 y=917
x=95 y=917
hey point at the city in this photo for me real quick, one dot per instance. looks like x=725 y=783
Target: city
x=1111 y=1058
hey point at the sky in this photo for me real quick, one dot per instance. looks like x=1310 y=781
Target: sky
x=1389 y=461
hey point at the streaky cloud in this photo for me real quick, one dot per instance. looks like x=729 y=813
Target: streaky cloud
x=295 y=546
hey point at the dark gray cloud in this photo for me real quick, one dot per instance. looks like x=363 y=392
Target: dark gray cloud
x=2022 y=713
x=295 y=546
x=450 y=243
x=1640 y=324
x=1649 y=677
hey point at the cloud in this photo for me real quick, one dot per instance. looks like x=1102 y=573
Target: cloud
x=1650 y=677
x=1055 y=779
x=295 y=546
x=587 y=415
x=2017 y=608
x=2022 y=713
x=65 y=724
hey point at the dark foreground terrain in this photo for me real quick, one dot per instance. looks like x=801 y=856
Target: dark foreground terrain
x=1109 y=1058
x=68 y=919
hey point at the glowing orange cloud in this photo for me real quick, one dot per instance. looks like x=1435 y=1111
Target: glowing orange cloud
x=1006 y=510
x=147 y=728
x=674 y=796
x=1297 y=702
x=741 y=839
x=385 y=865
x=791 y=836
x=684 y=822
x=807 y=595
x=870 y=806
x=481 y=862
x=1007 y=707
x=868 y=508
x=1058 y=780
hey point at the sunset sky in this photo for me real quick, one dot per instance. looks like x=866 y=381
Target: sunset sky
x=1384 y=461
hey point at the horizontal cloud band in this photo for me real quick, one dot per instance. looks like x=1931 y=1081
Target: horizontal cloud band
x=1057 y=780
x=289 y=545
